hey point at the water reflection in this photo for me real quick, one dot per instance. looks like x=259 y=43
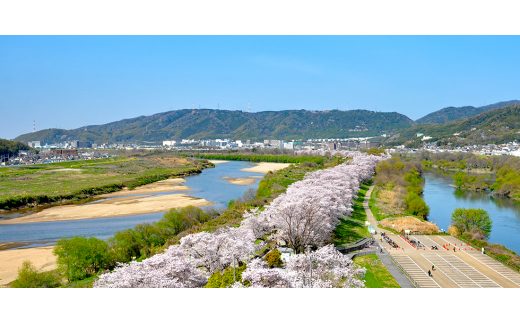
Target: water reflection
x=443 y=198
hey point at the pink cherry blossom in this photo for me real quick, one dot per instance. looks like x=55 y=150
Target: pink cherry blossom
x=170 y=269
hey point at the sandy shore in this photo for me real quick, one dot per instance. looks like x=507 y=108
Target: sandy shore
x=240 y=181
x=10 y=260
x=115 y=207
x=167 y=185
x=264 y=168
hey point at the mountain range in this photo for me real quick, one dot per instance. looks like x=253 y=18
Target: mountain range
x=212 y=124
x=453 y=113
x=287 y=125
x=493 y=126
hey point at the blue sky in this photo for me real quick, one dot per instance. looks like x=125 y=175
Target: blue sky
x=65 y=81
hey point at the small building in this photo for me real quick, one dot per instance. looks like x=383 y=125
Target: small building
x=68 y=152
x=34 y=144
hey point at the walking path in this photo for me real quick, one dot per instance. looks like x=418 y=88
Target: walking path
x=457 y=265
x=399 y=276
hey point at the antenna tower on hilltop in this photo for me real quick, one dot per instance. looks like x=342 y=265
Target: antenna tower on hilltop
x=85 y=125
x=249 y=106
x=34 y=126
x=193 y=109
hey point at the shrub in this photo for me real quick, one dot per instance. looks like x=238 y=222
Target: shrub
x=274 y=258
x=453 y=231
x=477 y=234
x=219 y=280
x=30 y=277
x=308 y=164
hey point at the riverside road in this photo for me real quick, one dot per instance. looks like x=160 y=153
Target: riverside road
x=456 y=264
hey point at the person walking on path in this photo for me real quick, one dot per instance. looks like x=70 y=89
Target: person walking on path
x=433 y=267
x=429 y=273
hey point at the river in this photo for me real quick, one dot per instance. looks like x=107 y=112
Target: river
x=442 y=198
x=208 y=185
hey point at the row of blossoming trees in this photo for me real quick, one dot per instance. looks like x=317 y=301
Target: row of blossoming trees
x=304 y=217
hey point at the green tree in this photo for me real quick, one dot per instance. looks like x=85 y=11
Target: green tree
x=467 y=219
x=460 y=179
x=82 y=257
x=416 y=205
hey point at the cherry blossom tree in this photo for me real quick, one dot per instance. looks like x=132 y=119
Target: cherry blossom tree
x=309 y=210
x=330 y=268
x=257 y=223
x=215 y=251
x=259 y=275
x=170 y=269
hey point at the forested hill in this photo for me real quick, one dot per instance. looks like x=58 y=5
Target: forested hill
x=493 y=126
x=453 y=113
x=212 y=124
x=11 y=147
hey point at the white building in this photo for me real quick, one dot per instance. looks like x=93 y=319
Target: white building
x=289 y=145
x=34 y=144
x=169 y=143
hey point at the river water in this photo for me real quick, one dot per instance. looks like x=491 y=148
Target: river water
x=208 y=185
x=442 y=198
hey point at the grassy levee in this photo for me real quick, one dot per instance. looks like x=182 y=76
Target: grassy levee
x=62 y=182
x=353 y=228
x=261 y=158
x=376 y=276
x=372 y=203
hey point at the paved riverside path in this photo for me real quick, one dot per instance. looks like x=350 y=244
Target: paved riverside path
x=466 y=267
x=399 y=276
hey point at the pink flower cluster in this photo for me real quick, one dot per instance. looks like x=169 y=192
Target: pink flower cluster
x=309 y=210
x=330 y=269
x=170 y=269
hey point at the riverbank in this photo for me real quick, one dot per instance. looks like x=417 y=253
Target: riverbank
x=10 y=260
x=112 y=208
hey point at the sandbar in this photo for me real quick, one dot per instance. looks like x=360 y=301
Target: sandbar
x=264 y=167
x=167 y=185
x=112 y=208
x=10 y=260
x=218 y=161
x=240 y=181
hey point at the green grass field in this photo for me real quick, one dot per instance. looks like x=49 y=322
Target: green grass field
x=20 y=186
x=377 y=276
x=353 y=229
